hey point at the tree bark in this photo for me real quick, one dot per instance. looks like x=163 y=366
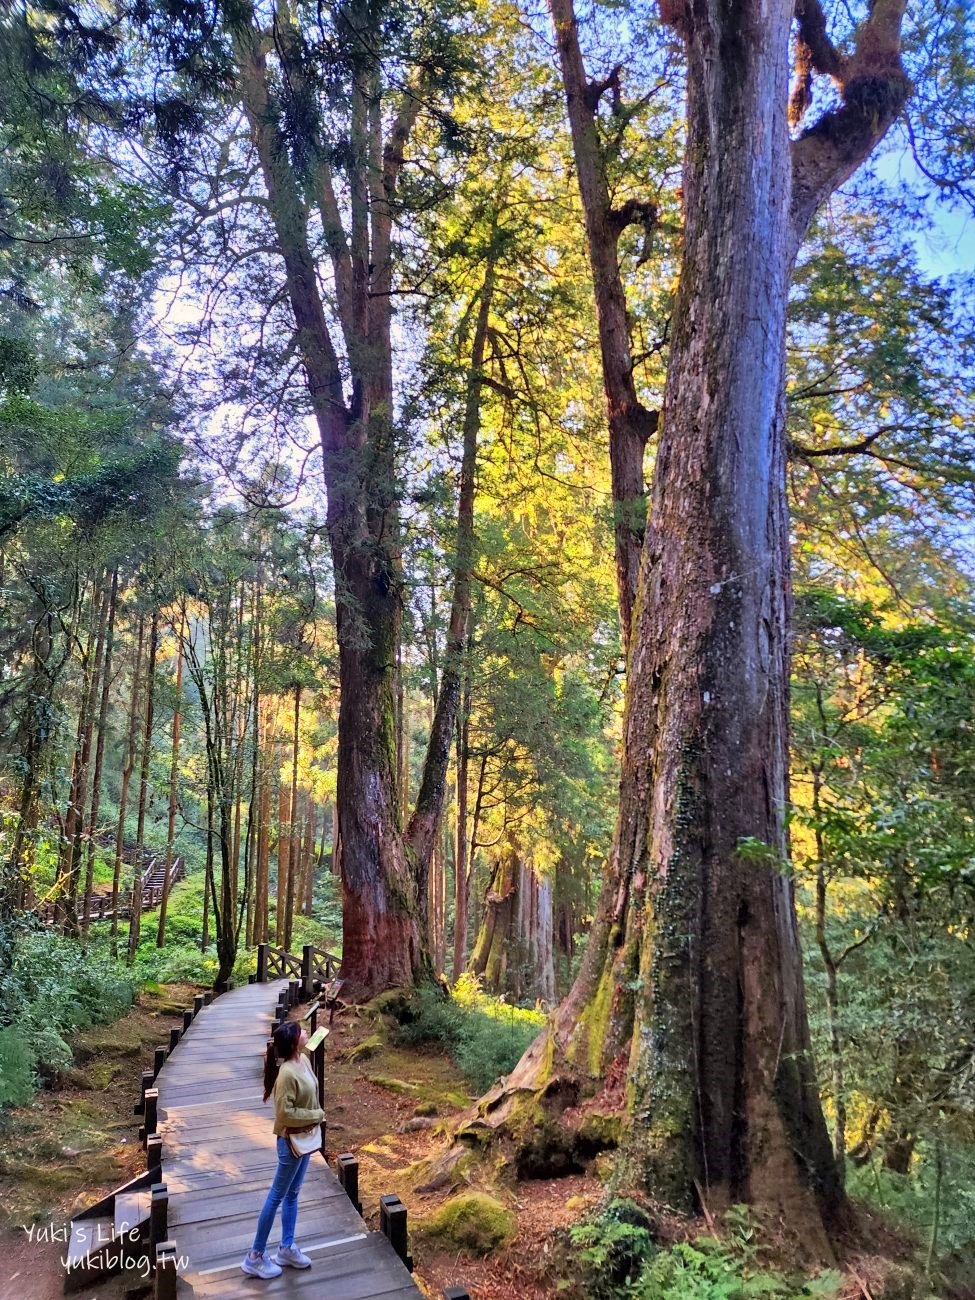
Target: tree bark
x=692 y=975
x=135 y=904
x=127 y=770
x=630 y=423
x=173 y=790
x=96 y=784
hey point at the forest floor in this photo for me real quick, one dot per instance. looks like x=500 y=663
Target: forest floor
x=75 y=1142
x=372 y=1110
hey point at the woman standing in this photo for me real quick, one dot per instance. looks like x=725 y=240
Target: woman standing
x=297 y=1115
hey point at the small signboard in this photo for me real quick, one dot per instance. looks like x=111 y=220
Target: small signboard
x=317 y=1038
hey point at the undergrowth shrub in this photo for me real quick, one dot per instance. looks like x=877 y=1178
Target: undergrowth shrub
x=485 y=1036
x=50 y=991
x=916 y=1199
x=617 y=1256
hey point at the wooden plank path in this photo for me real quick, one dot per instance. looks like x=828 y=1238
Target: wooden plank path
x=219 y=1159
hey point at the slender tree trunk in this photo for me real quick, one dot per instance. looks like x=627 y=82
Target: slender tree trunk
x=294 y=857
x=630 y=423
x=427 y=815
x=310 y=861
x=461 y=874
x=284 y=857
x=135 y=907
x=263 y=846
x=96 y=785
x=173 y=789
x=73 y=839
x=127 y=770
x=208 y=874
x=253 y=835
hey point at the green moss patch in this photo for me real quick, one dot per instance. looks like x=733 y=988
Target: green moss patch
x=367 y=1049
x=472 y=1222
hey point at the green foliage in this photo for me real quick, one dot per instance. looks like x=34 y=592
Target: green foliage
x=16 y=1068
x=485 y=1036
x=48 y=994
x=613 y=1247
x=910 y=1198
x=618 y=1257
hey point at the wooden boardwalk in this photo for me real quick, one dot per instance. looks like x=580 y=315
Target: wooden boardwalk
x=219 y=1159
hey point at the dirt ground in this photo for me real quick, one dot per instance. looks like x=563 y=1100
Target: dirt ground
x=369 y=1105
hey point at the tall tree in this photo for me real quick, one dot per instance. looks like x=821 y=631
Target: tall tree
x=692 y=968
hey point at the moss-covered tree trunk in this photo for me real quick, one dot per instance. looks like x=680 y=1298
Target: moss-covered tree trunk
x=692 y=978
x=492 y=948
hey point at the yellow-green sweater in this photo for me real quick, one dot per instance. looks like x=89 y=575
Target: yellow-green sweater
x=296 y=1096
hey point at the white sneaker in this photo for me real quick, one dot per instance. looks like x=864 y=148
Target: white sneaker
x=260 y=1266
x=292 y=1256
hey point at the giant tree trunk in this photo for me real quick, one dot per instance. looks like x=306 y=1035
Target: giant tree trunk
x=723 y=1098
x=692 y=976
x=383 y=872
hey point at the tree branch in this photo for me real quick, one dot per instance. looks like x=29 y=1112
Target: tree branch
x=873 y=87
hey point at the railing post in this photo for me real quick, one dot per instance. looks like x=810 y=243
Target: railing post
x=208 y=997
x=262 y=963
x=154 y=1154
x=187 y=1019
x=158 y=1213
x=197 y=1005
x=174 y=1036
x=164 y=1283
x=148 y=1078
x=307 y=954
x=319 y=1066
x=152 y=1099
x=348 y=1169
x=158 y=1061
x=392 y=1224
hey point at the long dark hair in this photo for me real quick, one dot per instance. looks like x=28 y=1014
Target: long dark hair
x=282 y=1047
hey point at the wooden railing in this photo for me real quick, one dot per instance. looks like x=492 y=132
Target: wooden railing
x=313 y=965
x=100 y=905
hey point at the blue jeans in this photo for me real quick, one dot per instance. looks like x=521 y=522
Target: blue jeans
x=284 y=1192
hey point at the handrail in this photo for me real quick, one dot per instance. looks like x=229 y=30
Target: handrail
x=313 y=964
x=100 y=905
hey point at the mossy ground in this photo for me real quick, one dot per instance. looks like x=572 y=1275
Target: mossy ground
x=75 y=1141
